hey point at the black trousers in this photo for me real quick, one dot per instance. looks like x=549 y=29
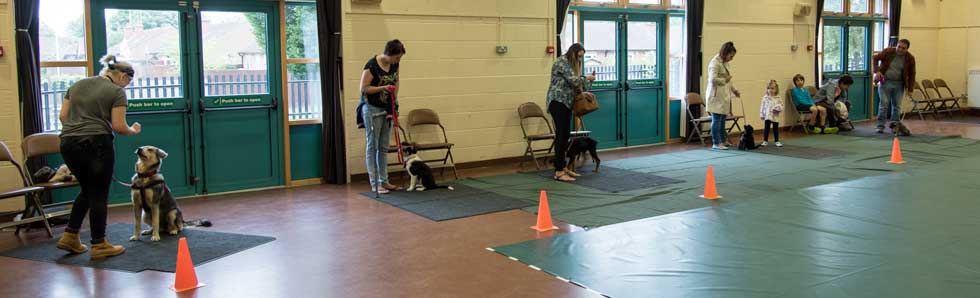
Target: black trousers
x=91 y=160
x=562 y=116
x=775 y=130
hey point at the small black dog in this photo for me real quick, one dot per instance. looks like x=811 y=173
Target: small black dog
x=579 y=146
x=898 y=128
x=747 y=142
x=420 y=172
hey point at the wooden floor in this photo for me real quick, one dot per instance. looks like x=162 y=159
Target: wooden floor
x=331 y=242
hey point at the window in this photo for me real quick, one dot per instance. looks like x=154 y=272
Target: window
x=678 y=57
x=150 y=41
x=834 y=6
x=645 y=2
x=600 y=50
x=855 y=7
x=642 y=50
x=64 y=57
x=880 y=36
x=303 y=63
x=832 y=48
x=859 y=7
x=239 y=67
x=657 y=4
x=569 y=34
x=600 y=1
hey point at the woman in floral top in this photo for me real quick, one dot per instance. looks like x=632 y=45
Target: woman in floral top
x=566 y=78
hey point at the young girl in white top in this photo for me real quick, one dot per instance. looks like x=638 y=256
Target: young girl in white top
x=769 y=111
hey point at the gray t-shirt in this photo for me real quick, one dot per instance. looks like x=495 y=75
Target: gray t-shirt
x=90 y=106
x=895 y=69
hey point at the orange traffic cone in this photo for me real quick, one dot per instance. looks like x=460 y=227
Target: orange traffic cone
x=709 y=186
x=544 y=215
x=896 y=153
x=186 y=279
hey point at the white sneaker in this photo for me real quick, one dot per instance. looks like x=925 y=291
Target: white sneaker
x=764 y=143
x=719 y=147
x=778 y=144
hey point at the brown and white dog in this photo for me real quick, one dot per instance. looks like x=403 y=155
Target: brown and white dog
x=152 y=201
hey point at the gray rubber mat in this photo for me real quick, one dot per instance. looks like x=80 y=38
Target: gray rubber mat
x=205 y=246
x=444 y=204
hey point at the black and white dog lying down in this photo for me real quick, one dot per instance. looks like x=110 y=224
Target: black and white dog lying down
x=578 y=146
x=420 y=172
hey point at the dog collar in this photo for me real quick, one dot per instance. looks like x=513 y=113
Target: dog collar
x=147 y=175
x=150 y=173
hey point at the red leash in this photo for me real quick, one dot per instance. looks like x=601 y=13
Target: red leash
x=394 y=119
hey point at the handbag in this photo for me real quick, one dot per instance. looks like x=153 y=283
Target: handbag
x=584 y=103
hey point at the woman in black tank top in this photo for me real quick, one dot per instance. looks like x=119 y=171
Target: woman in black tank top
x=379 y=85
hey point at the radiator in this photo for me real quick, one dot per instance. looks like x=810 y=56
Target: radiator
x=973 y=90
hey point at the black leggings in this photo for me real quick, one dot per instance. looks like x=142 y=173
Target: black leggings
x=775 y=131
x=563 y=129
x=90 y=159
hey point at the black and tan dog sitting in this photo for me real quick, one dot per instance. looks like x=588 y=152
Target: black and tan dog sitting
x=747 y=142
x=899 y=129
x=578 y=146
x=420 y=172
x=152 y=201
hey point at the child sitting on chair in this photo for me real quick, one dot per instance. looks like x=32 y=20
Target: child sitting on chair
x=771 y=107
x=803 y=101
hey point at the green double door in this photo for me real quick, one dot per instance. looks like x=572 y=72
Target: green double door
x=206 y=90
x=847 y=50
x=626 y=54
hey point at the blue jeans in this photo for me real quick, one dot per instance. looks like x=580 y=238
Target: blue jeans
x=718 y=135
x=890 y=106
x=377 y=128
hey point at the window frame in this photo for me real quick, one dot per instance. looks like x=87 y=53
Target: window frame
x=87 y=63
x=662 y=5
x=291 y=61
x=847 y=10
x=683 y=77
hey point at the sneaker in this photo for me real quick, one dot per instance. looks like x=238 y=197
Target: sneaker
x=816 y=130
x=778 y=144
x=880 y=130
x=381 y=191
x=719 y=147
x=764 y=143
x=831 y=130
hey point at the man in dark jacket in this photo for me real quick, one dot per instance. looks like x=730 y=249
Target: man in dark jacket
x=894 y=70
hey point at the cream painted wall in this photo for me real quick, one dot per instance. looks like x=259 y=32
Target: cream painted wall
x=959 y=37
x=452 y=68
x=920 y=25
x=9 y=104
x=763 y=31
